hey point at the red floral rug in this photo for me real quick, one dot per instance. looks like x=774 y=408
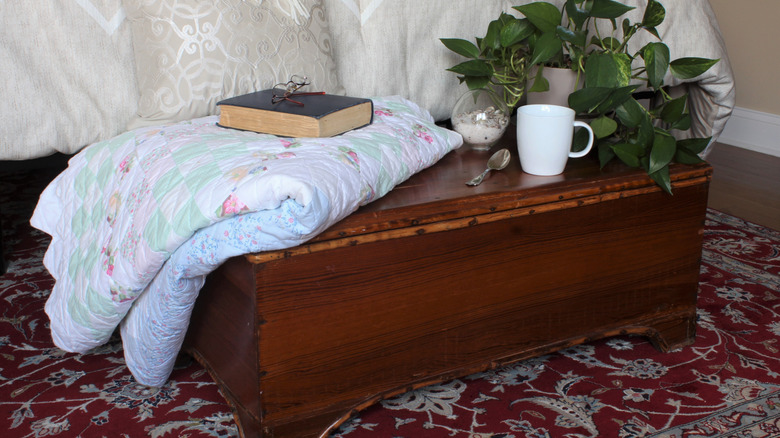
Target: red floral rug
x=726 y=385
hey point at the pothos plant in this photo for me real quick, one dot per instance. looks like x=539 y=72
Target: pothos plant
x=499 y=60
x=572 y=35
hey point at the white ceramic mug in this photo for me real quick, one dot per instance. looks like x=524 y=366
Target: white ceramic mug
x=544 y=136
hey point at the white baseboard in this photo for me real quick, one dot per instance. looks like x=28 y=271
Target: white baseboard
x=753 y=130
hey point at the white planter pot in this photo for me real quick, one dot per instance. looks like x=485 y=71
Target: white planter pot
x=562 y=83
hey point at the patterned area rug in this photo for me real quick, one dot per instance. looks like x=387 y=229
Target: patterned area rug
x=726 y=385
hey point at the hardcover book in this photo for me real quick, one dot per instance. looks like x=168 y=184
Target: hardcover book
x=320 y=115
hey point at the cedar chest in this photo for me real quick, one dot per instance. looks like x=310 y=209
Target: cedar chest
x=438 y=280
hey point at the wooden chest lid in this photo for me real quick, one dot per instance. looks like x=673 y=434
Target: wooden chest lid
x=437 y=199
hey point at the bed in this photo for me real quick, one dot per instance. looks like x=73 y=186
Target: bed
x=73 y=75
x=94 y=94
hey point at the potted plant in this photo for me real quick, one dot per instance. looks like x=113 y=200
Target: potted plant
x=513 y=49
x=499 y=60
x=559 y=50
x=639 y=136
x=625 y=129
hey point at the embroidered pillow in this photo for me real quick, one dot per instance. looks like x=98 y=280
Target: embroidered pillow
x=190 y=54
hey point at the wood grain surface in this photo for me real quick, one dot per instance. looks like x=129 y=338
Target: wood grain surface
x=439 y=280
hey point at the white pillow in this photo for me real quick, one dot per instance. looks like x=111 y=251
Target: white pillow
x=67 y=75
x=389 y=47
x=190 y=54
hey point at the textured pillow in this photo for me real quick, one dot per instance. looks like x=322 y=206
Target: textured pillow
x=190 y=54
x=389 y=47
x=67 y=75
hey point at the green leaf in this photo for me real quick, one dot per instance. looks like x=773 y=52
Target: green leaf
x=631 y=113
x=599 y=100
x=610 y=43
x=608 y=9
x=661 y=177
x=580 y=140
x=694 y=145
x=617 y=97
x=545 y=16
x=653 y=31
x=474 y=67
x=629 y=153
x=689 y=68
x=603 y=127
x=515 y=32
x=492 y=40
x=461 y=47
x=577 y=15
x=626 y=26
x=673 y=110
x=614 y=23
x=645 y=163
x=685 y=157
x=664 y=148
x=505 y=18
x=656 y=57
x=541 y=84
x=588 y=99
x=645 y=133
x=546 y=47
x=683 y=124
x=578 y=38
x=606 y=154
x=477 y=82
x=607 y=70
x=654 y=14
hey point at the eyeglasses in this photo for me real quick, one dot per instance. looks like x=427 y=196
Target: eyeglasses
x=290 y=88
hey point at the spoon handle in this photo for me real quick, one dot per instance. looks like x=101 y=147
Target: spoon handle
x=478 y=179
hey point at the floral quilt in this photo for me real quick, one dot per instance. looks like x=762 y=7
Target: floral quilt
x=138 y=221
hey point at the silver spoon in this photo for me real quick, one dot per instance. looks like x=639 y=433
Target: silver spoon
x=497 y=161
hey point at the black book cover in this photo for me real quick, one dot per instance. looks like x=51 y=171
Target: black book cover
x=315 y=105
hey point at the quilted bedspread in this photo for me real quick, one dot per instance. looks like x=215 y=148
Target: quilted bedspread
x=138 y=221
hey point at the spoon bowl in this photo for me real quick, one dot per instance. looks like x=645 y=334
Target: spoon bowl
x=497 y=161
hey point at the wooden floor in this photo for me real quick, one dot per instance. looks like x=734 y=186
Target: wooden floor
x=745 y=184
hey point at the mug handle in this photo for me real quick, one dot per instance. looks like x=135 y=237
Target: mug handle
x=585 y=151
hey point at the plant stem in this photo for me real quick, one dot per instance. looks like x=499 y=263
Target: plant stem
x=631 y=33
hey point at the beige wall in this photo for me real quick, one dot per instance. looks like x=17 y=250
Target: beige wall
x=751 y=32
